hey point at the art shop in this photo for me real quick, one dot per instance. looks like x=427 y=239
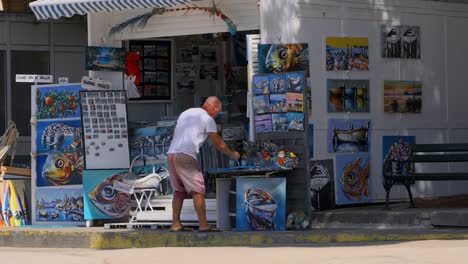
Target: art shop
x=316 y=95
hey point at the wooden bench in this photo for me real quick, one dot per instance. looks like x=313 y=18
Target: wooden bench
x=424 y=153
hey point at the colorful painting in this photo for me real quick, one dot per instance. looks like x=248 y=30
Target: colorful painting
x=295 y=121
x=260 y=204
x=263 y=124
x=280 y=58
x=322 y=184
x=101 y=200
x=58 y=101
x=58 y=136
x=348 y=135
x=295 y=82
x=401 y=42
x=396 y=152
x=105 y=59
x=347 y=54
x=295 y=102
x=279 y=122
x=152 y=141
x=261 y=104
x=348 y=96
x=59 y=169
x=59 y=205
x=352 y=179
x=277 y=83
x=278 y=103
x=402 y=96
x=261 y=84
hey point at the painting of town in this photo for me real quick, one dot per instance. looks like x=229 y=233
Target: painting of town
x=59 y=205
x=295 y=102
x=348 y=95
x=402 y=96
x=347 y=54
x=352 y=179
x=348 y=135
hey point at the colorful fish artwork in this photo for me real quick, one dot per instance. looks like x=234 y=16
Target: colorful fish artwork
x=280 y=58
x=102 y=201
x=352 y=184
x=59 y=169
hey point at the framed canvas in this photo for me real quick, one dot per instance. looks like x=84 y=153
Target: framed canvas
x=352 y=180
x=105 y=59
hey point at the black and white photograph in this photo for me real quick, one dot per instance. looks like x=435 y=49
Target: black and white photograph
x=401 y=42
x=208 y=72
x=185 y=86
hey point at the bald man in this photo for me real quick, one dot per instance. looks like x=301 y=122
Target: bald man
x=193 y=127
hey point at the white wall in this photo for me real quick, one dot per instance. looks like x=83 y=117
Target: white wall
x=442 y=70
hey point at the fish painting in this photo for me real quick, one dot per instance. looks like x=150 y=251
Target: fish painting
x=60 y=169
x=109 y=201
x=354 y=180
x=284 y=58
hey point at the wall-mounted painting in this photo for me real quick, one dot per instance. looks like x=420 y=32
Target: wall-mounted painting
x=58 y=101
x=59 y=205
x=396 y=152
x=347 y=54
x=322 y=184
x=260 y=204
x=348 y=95
x=402 y=96
x=59 y=169
x=401 y=42
x=352 y=178
x=280 y=58
x=295 y=102
x=278 y=103
x=348 y=135
x=101 y=200
x=58 y=136
x=105 y=59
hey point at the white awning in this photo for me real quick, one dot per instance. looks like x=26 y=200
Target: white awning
x=44 y=9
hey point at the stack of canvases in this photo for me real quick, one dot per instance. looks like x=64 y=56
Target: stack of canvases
x=13 y=204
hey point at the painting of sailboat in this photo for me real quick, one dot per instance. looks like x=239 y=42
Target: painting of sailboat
x=348 y=135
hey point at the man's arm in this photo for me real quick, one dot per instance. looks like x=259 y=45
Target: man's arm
x=221 y=146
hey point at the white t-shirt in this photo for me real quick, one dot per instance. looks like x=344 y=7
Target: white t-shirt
x=192 y=129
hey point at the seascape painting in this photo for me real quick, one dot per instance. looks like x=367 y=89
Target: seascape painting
x=261 y=104
x=280 y=58
x=402 y=96
x=59 y=205
x=295 y=82
x=348 y=96
x=261 y=84
x=58 y=101
x=347 y=54
x=295 y=121
x=58 y=136
x=105 y=59
x=295 y=102
x=348 y=135
x=260 y=204
x=279 y=122
x=352 y=179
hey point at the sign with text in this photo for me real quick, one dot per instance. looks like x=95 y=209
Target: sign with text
x=34 y=78
x=95 y=84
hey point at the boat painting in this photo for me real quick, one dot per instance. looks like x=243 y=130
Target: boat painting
x=348 y=135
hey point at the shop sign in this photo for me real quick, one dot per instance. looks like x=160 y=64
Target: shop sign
x=34 y=78
x=95 y=83
x=63 y=80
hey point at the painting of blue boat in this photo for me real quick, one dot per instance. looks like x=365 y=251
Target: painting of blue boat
x=105 y=59
x=59 y=205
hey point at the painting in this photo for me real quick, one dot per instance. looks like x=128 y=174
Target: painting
x=396 y=152
x=278 y=103
x=207 y=54
x=348 y=96
x=402 y=96
x=59 y=205
x=295 y=82
x=401 y=42
x=352 y=179
x=260 y=204
x=280 y=58
x=59 y=169
x=295 y=121
x=322 y=184
x=208 y=72
x=348 y=135
x=261 y=84
x=152 y=141
x=58 y=101
x=279 y=122
x=105 y=131
x=58 y=136
x=277 y=83
x=186 y=86
x=263 y=123
x=295 y=102
x=101 y=200
x=347 y=54
x=261 y=104
x=105 y=59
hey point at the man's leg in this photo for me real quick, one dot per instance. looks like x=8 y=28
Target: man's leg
x=200 y=207
x=177 y=203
